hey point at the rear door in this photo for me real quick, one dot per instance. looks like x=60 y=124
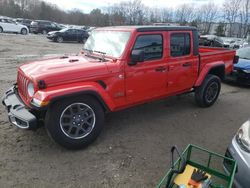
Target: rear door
x=182 y=64
x=147 y=79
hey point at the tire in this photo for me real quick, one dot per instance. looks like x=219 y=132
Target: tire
x=208 y=92
x=69 y=131
x=24 y=31
x=84 y=40
x=59 y=39
x=1 y=30
x=44 y=32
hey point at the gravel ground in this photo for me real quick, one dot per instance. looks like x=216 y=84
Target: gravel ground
x=133 y=149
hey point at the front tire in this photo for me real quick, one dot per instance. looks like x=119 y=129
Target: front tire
x=84 y=40
x=59 y=39
x=24 y=31
x=208 y=92
x=75 y=123
x=1 y=30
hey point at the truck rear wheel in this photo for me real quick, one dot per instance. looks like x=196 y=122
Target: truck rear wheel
x=75 y=123
x=208 y=92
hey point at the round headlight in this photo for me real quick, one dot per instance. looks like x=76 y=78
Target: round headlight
x=31 y=89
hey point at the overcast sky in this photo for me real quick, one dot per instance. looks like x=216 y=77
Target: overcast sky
x=88 y=5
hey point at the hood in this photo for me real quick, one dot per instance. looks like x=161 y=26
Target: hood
x=56 y=71
x=52 y=32
x=243 y=64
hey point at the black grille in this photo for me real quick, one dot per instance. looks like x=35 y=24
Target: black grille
x=22 y=83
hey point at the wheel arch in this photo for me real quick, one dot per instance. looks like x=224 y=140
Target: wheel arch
x=216 y=68
x=90 y=93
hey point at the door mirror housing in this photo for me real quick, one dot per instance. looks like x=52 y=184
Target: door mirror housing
x=136 y=57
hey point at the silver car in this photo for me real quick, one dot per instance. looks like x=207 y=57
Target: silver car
x=239 y=150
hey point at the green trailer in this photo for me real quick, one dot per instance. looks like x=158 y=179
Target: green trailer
x=195 y=157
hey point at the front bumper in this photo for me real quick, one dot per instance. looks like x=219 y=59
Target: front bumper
x=50 y=37
x=18 y=113
x=34 y=30
x=240 y=76
x=241 y=178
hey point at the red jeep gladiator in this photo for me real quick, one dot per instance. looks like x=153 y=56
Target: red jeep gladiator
x=119 y=67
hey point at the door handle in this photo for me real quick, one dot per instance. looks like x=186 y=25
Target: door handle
x=186 y=64
x=160 y=69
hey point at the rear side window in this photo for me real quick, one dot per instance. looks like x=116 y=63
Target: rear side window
x=152 y=45
x=180 y=44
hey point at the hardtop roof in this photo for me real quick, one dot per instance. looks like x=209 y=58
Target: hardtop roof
x=150 y=28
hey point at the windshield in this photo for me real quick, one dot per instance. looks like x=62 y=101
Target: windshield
x=243 y=53
x=111 y=43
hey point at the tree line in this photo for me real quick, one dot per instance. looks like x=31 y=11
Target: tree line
x=134 y=12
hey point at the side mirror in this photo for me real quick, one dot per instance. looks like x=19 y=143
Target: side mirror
x=136 y=56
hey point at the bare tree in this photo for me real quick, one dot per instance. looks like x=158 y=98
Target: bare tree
x=133 y=11
x=161 y=15
x=208 y=14
x=231 y=11
x=185 y=13
x=244 y=17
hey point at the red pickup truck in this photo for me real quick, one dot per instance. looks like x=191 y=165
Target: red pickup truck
x=119 y=67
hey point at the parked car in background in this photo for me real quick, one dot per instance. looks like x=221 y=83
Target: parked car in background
x=68 y=34
x=245 y=44
x=241 y=72
x=239 y=150
x=237 y=43
x=43 y=26
x=26 y=22
x=211 y=40
x=9 y=26
x=227 y=42
x=90 y=29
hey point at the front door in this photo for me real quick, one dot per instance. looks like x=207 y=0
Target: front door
x=10 y=26
x=147 y=79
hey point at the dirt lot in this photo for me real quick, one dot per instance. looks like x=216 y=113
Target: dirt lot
x=132 y=151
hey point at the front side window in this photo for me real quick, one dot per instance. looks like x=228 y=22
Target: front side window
x=180 y=44
x=152 y=45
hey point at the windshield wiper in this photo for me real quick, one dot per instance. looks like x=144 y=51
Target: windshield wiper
x=88 y=50
x=103 y=54
x=91 y=52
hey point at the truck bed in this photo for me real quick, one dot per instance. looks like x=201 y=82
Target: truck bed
x=210 y=55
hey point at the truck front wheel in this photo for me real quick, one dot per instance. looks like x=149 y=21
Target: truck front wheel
x=75 y=123
x=208 y=92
